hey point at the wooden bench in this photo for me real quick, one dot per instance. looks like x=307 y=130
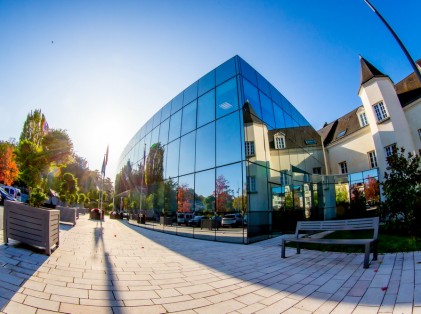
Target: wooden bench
x=338 y=225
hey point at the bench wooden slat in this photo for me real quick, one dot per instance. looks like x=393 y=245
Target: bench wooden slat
x=338 y=225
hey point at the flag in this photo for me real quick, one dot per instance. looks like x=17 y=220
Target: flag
x=45 y=127
x=103 y=167
x=105 y=162
x=106 y=155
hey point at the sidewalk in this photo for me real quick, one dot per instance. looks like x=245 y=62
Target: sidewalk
x=113 y=267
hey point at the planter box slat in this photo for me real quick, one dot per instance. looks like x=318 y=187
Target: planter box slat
x=67 y=214
x=33 y=226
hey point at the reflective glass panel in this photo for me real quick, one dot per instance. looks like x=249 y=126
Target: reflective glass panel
x=205 y=147
x=156 y=119
x=228 y=139
x=172 y=159
x=267 y=111
x=175 y=126
x=166 y=111
x=204 y=189
x=228 y=186
x=185 y=194
x=279 y=117
x=263 y=84
x=170 y=191
x=190 y=93
x=155 y=136
x=248 y=72
x=206 y=108
x=177 y=103
x=276 y=95
x=251 y=95
x=225 y=71
x=163 y=132
x=187 y=153
x=189 y=118
x=226 y=98
x=207 y=82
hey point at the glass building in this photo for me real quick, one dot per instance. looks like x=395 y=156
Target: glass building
x=230 y=143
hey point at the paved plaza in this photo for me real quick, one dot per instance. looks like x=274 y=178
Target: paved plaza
x=114 y=267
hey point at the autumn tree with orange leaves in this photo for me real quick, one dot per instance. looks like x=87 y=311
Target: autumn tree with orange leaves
x=8 y=169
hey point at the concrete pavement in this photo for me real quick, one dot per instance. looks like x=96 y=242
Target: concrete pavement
x=113 y=267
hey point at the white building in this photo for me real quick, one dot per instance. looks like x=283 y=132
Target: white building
x=390 y=115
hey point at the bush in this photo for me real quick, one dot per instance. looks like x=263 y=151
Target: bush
x=402 y=190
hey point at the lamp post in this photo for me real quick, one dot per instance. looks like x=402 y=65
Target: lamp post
x=414 y=66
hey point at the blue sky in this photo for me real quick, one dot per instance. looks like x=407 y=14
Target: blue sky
x=100 y=69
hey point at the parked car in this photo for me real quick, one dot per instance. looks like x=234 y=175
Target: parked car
x=14 y=192
x=5 y=196
x=184 y=218
x=232 y=220
x=195 y=221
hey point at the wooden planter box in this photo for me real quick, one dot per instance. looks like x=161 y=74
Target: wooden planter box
x=67 y=214
x=30 y=225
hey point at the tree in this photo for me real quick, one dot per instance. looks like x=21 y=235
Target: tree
x=185 y=198
x=402 y=191
x=154 y=170
x=32 y=163
x=223 y=195
x=34 y=128
x=8 y=168
x=372 y=191
x=69 y=187
x=57 y=147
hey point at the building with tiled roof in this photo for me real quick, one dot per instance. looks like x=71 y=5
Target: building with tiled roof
x=390 y=115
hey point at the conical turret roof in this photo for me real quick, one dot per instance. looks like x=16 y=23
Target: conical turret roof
x=368 y=71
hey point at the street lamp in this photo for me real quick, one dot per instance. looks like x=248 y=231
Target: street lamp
x=414 y=66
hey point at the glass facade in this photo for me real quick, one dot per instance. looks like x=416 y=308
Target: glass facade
x=194 y=156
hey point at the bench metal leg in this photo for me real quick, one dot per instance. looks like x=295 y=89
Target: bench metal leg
x=375 y=251
x=367 y=255
x=298 y=248
x=283 y=248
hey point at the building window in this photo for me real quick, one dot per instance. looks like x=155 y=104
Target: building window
x=389 y=150
x=343 y=167
x=372 y=159
x=279 y=142
x=251 y=184
x=363 y=119
x=380 y=111
x=317 y=170
x=342 y=133
x=310 y=141
x=250 y=148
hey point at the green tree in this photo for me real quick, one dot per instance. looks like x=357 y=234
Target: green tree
x=69 y=187
x=34 y=128
x=57 y=147
x=402 y=191
x=32 y=163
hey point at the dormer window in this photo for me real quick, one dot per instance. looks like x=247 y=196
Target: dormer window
x=279 y=140
x=342 y=133
x=363 y=119
x=310 y=141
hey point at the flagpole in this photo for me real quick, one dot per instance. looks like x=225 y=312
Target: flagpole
x=401 y=45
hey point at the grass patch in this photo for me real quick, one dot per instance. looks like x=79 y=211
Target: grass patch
x=387 y=243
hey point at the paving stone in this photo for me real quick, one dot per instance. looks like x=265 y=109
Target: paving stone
x=94 y=271
x=18 y=308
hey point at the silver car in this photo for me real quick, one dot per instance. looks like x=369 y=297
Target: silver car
x=232 y=220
